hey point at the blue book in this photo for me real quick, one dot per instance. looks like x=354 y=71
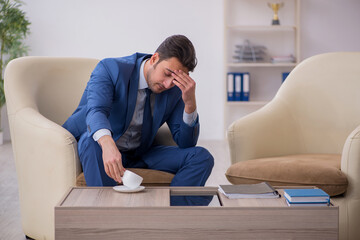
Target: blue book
x=284 y=75
x=230 y=87
x=238 y=86
x=245 y=87
x=308 y=195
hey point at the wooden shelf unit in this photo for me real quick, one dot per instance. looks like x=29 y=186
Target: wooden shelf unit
x=251 y=20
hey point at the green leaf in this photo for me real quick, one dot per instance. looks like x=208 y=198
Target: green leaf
x=14 y=27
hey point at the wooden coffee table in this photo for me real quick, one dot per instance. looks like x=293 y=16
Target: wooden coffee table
x=102 y=213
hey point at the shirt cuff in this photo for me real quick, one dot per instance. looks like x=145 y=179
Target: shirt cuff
x=190 y=118
x=100 y=133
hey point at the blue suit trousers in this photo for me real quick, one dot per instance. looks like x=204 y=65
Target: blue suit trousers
x=191 y=166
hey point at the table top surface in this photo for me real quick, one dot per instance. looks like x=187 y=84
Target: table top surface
x=159 y=197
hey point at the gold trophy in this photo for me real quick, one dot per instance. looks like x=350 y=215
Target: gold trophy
x=275 y=7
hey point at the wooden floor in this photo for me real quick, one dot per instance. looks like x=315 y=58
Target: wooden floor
x=10 y=223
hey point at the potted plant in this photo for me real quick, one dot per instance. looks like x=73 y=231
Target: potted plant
x=14 y=27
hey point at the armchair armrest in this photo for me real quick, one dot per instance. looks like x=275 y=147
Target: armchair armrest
x=350 y=204
x=350 y=163
x=270 y=131
x=47 y=165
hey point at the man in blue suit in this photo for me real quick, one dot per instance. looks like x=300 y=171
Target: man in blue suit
x=126 y=101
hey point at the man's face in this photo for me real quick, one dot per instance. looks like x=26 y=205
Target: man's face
x=159 y=76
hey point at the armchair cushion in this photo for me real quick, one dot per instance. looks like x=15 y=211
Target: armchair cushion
x=321 y=170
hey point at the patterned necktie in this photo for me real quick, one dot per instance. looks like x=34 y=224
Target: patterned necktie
x=147 y=120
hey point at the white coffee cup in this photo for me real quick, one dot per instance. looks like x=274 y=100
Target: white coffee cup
x=131 y=179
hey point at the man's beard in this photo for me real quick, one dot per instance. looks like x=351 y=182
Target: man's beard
x=149 y=81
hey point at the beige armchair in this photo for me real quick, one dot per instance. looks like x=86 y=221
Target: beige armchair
x=314 y=120
x=41 y=93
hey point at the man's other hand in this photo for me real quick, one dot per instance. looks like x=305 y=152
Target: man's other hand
x=112 y=158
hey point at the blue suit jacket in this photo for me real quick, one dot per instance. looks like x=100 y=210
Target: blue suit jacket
x=109 y=102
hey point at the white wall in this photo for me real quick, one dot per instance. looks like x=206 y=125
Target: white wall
x=112 y=28
x=329 y=25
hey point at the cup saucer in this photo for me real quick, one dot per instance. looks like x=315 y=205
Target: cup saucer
x=124 y=189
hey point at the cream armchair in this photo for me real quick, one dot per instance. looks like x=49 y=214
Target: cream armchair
x=315 y=115
x=41 y=93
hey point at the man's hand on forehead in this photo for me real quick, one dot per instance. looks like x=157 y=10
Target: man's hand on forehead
x=187 y=86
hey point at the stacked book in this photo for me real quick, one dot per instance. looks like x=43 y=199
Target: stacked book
x=260 y=190
x=306 y=197
x=283 y=59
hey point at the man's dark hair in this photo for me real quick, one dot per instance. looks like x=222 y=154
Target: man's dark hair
x=180 y=47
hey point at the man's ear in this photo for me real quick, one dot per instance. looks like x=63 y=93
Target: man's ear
x=154 y=58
